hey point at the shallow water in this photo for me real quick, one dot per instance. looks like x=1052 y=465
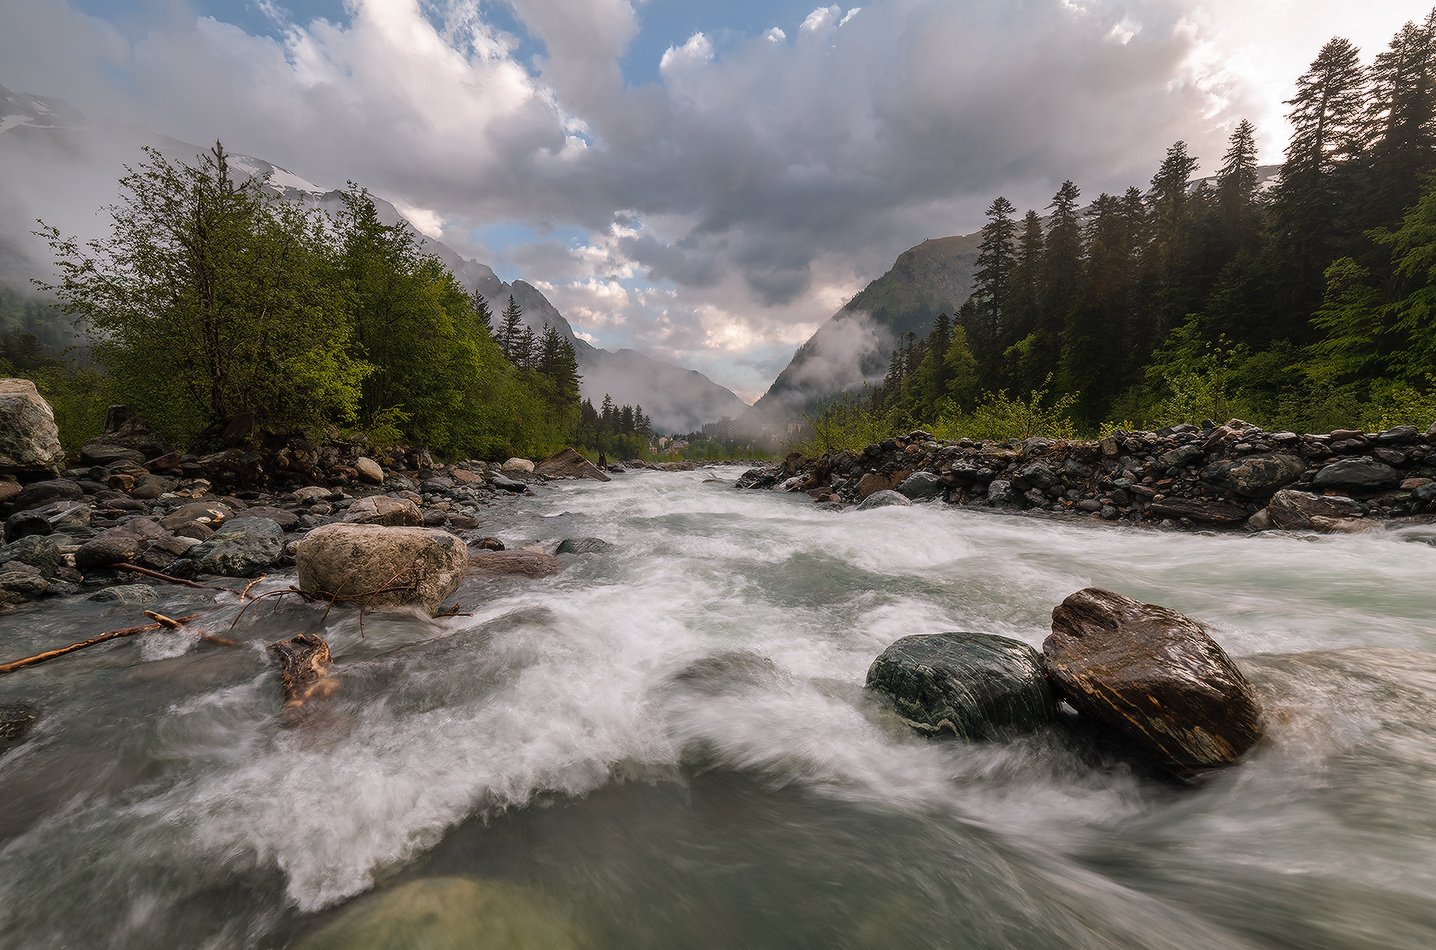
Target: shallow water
x=669 y=745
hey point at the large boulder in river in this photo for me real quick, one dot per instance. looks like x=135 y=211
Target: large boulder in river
x=448 y=913
x=1155 y=678
x=570 y=464
x=886 y=498
x=1295 y=510
x=29 y=441
x=376 y=566
x=974 y=685
x=243 y=547
x=517 y=466
x=1362 y=472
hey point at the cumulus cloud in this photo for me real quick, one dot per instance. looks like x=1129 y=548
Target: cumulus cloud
x=741 y=195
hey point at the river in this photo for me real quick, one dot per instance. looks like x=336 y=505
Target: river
x=668 y=746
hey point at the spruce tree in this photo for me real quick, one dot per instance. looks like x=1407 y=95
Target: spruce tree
x=995 y=260
x=511 y=330
x=1402 y=119
x=482 y=315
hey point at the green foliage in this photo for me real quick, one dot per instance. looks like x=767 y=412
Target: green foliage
x=849 y=423
x=1001 y=417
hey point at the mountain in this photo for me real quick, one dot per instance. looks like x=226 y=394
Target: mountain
x=854 y=345
x=61 y=165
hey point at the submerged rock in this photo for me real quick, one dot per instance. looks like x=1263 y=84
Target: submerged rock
x=884 y=499
x=1154 y=677
x=381 y=566
x=974 y=685
x=582 y=546
x=16 y=721
x=521 y=563
x=448 y=913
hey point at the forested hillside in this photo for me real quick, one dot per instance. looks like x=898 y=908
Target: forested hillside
x=1310 y=304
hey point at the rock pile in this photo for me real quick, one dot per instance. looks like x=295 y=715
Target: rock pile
x=1228 y=475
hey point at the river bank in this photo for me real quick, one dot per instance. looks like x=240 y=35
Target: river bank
x=1233 y=475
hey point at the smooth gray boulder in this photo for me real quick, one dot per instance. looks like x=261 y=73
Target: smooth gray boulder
x=384 y=510
x=1357 y=473
x=1153 y=677
x=378 y=566
x=921 y=486
x=884 y=499
x=242 y=547
x=29 y=440
x=582 y=546
x=973 y=685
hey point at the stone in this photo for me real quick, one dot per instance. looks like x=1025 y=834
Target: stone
x=384 y=510
x=36 y=550
x=1293 y=510
x=1256 y=476
x=1357 y=473
x=39 y=494
x=1153 y=677
x=884 y=499
x=999 y=491
x=242 y=547
x=517 y=562
x=20 y=587
x=60 y=516
x=29 y=440
x=125 y=429
x=763 y=477
x=504 y=483
x=448 y=913
x=287 y=520
x=369 y=470
x=583 y=546
x=128 y=595
x=16 y=722
x=382 y=565
x=312 y=493
x=517 y=466
x=1200 y=510
x=873 y=482
x=1399 y=435
x=973 y=685
x=921 y=486
x=150 y=487
x=569 y=464
x=101 y=453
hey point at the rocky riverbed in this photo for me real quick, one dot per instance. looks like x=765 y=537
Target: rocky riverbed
x=1233 y=475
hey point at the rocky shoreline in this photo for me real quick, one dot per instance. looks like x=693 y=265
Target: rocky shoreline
x=1229 y=476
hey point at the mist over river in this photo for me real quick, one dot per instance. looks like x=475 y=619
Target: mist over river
x=668 y=746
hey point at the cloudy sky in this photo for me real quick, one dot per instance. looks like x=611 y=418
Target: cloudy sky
x=707 y=180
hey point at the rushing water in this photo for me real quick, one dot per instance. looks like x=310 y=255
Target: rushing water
x=668 y=746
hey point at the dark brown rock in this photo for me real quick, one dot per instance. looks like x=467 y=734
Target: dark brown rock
x=521 y=563
x=570 y=464
x=1294 y=510
x=1200 y=510
x=1154 y=677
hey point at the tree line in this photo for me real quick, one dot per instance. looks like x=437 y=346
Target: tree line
x=213 y=302
x=1308 y=302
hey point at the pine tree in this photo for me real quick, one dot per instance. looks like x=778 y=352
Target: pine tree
x=995 y=260
x=511 y=330
x=1236 y=199
x=1401 y=116
x=1170 y=217
x=482 y=315
x=525 y=349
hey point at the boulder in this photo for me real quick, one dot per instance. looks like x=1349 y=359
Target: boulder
x=1293 y=510
x=384 y=510
x=369 y=470
x=37 y=551
x=102 y=453
x=126 y=595
x=448 y=913
x=582 y=546
x=519 y=563
x=920 y=486
x=29 y=440
x=884 y=499
x=1153 y=677
x=21 y=587
x=764 y=477
x=517 y=466
x=504 y=483
x=124 y=429
x=1357 y=473
x=973 y=685
x=873 y=482
x=39 y=494
x=382 y=566
x=1200 y=510
x=242 y=547
x=60 y=516
x=1256 y=476
x=569 y=464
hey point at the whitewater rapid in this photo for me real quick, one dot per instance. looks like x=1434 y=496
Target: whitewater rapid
x=671 y=740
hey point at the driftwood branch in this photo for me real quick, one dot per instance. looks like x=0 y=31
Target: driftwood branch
x=168 y=579
x=93 y=641
x=176 y=624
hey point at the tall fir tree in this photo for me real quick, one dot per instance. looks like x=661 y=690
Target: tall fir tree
x=511 y=330
x=996 y=257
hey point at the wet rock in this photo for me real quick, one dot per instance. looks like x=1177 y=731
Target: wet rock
x=1200 y=510
x=59 y=517
x=287 y=520
x=29 y=440
x=129 y=595
x=1256 y=476
x=570 y=464
x=242 y=547
x=504 y=483
x=16 y=722
x=1153 y=677
x=517 y=466
x=873 y=482
x=384 y=510
x=519 y=563
x=1399 y=435
x=448 y=913
x=1293 y=510
x=100 y=453
x=999 y=491
x=21 y=587
x=369 y=470
x=973 y=685
x=583 y=546
x=36 y=551
x=764 y=477
x=884 y=499
x=1357 y=473
x=921 y=486
x=381 y=565
x=487 y=544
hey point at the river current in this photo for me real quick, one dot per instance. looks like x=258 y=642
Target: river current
x=668 y=746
